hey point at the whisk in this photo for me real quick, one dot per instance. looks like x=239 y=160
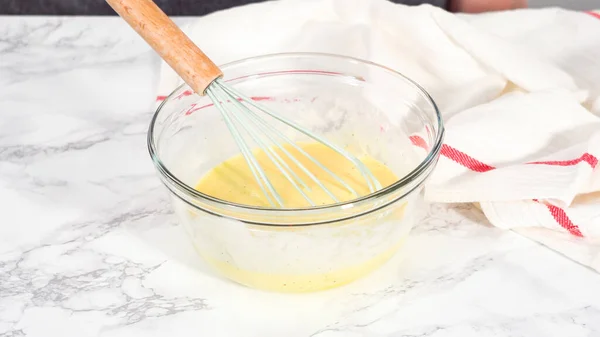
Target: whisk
x=240 y=113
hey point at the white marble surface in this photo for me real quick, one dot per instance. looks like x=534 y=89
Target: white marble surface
x=89 y=245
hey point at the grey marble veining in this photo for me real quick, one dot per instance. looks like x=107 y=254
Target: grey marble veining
x=89 y=245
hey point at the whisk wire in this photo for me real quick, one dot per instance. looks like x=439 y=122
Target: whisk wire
x=265 y=131
x=271 y=154
x=372 y=182
x=257 y=172
x=312 y=159
x=265 y=128
x=255 y=127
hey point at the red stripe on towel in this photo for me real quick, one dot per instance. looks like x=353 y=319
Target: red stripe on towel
x=455 y=155
x=586 y=157
x=562 y=218
x=475 y=165
x=478 y=166
x=465 y=160
x=594 y=14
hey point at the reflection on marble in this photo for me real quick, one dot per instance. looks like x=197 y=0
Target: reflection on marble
x=89 y=245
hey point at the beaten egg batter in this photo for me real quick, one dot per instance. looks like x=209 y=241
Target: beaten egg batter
x=233 y=181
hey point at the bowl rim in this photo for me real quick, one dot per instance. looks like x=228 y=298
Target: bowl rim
x=429 y=160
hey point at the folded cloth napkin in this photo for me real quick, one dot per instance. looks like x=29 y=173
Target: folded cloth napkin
x=519 y=92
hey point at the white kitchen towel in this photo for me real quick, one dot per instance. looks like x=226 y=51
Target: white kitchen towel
x=519 y=92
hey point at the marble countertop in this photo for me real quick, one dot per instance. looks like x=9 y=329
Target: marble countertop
x=89 y=245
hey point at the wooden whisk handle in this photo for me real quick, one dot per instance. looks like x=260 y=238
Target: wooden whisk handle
x=173 y=46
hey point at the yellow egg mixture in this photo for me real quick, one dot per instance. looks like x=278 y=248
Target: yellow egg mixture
x=233 y=181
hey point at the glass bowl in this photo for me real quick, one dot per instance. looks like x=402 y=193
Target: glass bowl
x=367 y=108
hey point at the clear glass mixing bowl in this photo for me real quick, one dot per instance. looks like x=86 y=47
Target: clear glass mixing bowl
x=365 y=107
